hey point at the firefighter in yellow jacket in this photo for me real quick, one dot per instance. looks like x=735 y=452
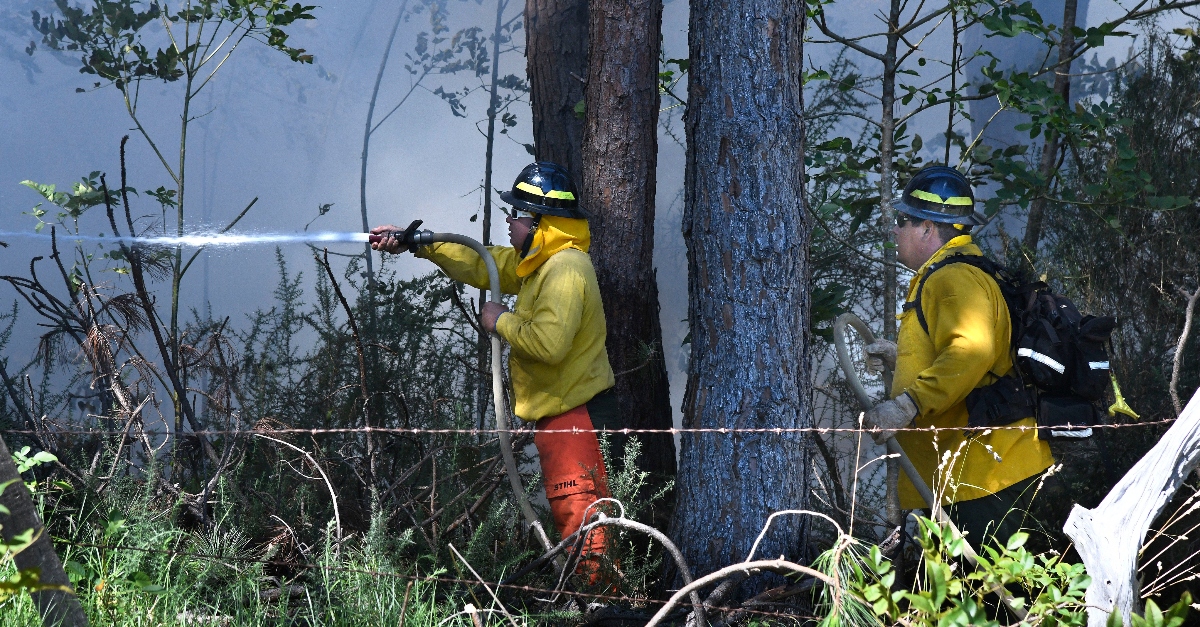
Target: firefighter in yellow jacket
x=561 y=377
x=984 y=477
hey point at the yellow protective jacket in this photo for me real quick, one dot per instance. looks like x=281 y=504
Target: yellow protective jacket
x=556 y=328
x=967 y=347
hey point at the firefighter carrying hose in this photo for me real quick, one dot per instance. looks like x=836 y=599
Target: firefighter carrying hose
x=561 y=377
x=954 y=339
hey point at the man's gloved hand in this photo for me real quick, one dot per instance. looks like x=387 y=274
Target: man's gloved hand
x=392 y=239
x=888 y=416
x=881 y=353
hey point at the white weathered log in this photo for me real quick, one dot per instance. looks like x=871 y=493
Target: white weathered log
x=1109 y=537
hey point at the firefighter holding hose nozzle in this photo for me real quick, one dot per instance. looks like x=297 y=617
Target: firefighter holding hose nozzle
x=561 y=377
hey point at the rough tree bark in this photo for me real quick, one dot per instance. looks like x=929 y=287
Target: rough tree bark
x=620 y=153
x=747 y=232
x=57 y=608
x=556 y=46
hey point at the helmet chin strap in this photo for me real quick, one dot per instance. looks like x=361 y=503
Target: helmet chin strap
x=537 y=219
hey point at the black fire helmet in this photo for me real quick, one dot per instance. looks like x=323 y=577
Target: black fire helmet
x=545 y=188
x=940 y=193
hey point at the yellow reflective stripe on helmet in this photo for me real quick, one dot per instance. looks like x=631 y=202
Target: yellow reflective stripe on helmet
x=932 y=197
x=533 y=189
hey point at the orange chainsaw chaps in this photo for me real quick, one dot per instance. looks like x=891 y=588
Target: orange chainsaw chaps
x=574 y=472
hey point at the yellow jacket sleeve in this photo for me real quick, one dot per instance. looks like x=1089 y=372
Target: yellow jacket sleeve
x=962 y=327
x=465 y=266
x=546 y=331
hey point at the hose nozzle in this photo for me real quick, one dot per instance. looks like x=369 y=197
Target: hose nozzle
x=410 y=238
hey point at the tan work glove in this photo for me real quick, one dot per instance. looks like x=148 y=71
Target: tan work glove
x=886 y=417
x=881 y=353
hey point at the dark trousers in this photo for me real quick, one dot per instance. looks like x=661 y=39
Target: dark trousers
x=606 y=417
x=996 y=517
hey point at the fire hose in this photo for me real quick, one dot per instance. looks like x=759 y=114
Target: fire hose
x=897 y=452
x=424 y=238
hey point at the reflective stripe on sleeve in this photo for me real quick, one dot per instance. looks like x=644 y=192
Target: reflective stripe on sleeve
x=1098 y=365
x=1040 y=358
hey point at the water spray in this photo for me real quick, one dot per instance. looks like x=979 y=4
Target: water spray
x=204 y=240
x=411 y=236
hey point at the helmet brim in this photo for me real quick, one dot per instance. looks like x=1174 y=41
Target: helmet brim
x=524 y=205
x=971 y=219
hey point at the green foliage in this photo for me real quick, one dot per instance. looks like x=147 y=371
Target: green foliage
x=25 y=462
x=1175 y=615
x=842 y=196
x=23 y=581
x=111 y=35
x=1134 y=258
x=668 y=79
x=161 y=574
x=83 y=196
x=633 y=561
x=1050 y=590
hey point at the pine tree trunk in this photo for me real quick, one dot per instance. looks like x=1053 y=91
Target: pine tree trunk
x=620 y=153
x=57 y=608
x=747 y=233
x=556 y=46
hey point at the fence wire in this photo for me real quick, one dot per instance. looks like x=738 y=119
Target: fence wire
x=476 y=431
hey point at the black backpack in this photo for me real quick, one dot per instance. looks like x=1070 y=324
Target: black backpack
x=1060 y=358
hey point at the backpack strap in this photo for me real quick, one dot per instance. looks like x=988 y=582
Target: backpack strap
x=978 y=261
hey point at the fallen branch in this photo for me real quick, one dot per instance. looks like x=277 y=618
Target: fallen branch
x=1109 y=537
x=337 y=516
x=621 y=521
x=1177 y=362
x=744 y=568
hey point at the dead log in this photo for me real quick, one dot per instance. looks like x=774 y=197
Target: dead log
x=1109 y=537
x=57 y=604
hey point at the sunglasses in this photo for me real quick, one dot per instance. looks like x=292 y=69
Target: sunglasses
x=903 y=218
x=515 y=213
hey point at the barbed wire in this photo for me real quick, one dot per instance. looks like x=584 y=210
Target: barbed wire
x=573 y=430
x=415 y=578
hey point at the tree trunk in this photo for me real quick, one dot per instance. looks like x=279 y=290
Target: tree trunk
x=57 y=608
x=556 y=46
x=1049 y=158
x=747 y=232
x=620 y=153
x=887 y=176
x=483 y=347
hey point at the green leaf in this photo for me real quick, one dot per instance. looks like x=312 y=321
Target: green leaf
x=1017 y=541
x=819 y=75
x=114 y=524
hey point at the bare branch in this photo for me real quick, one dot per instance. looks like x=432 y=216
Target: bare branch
x=1177 y=362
